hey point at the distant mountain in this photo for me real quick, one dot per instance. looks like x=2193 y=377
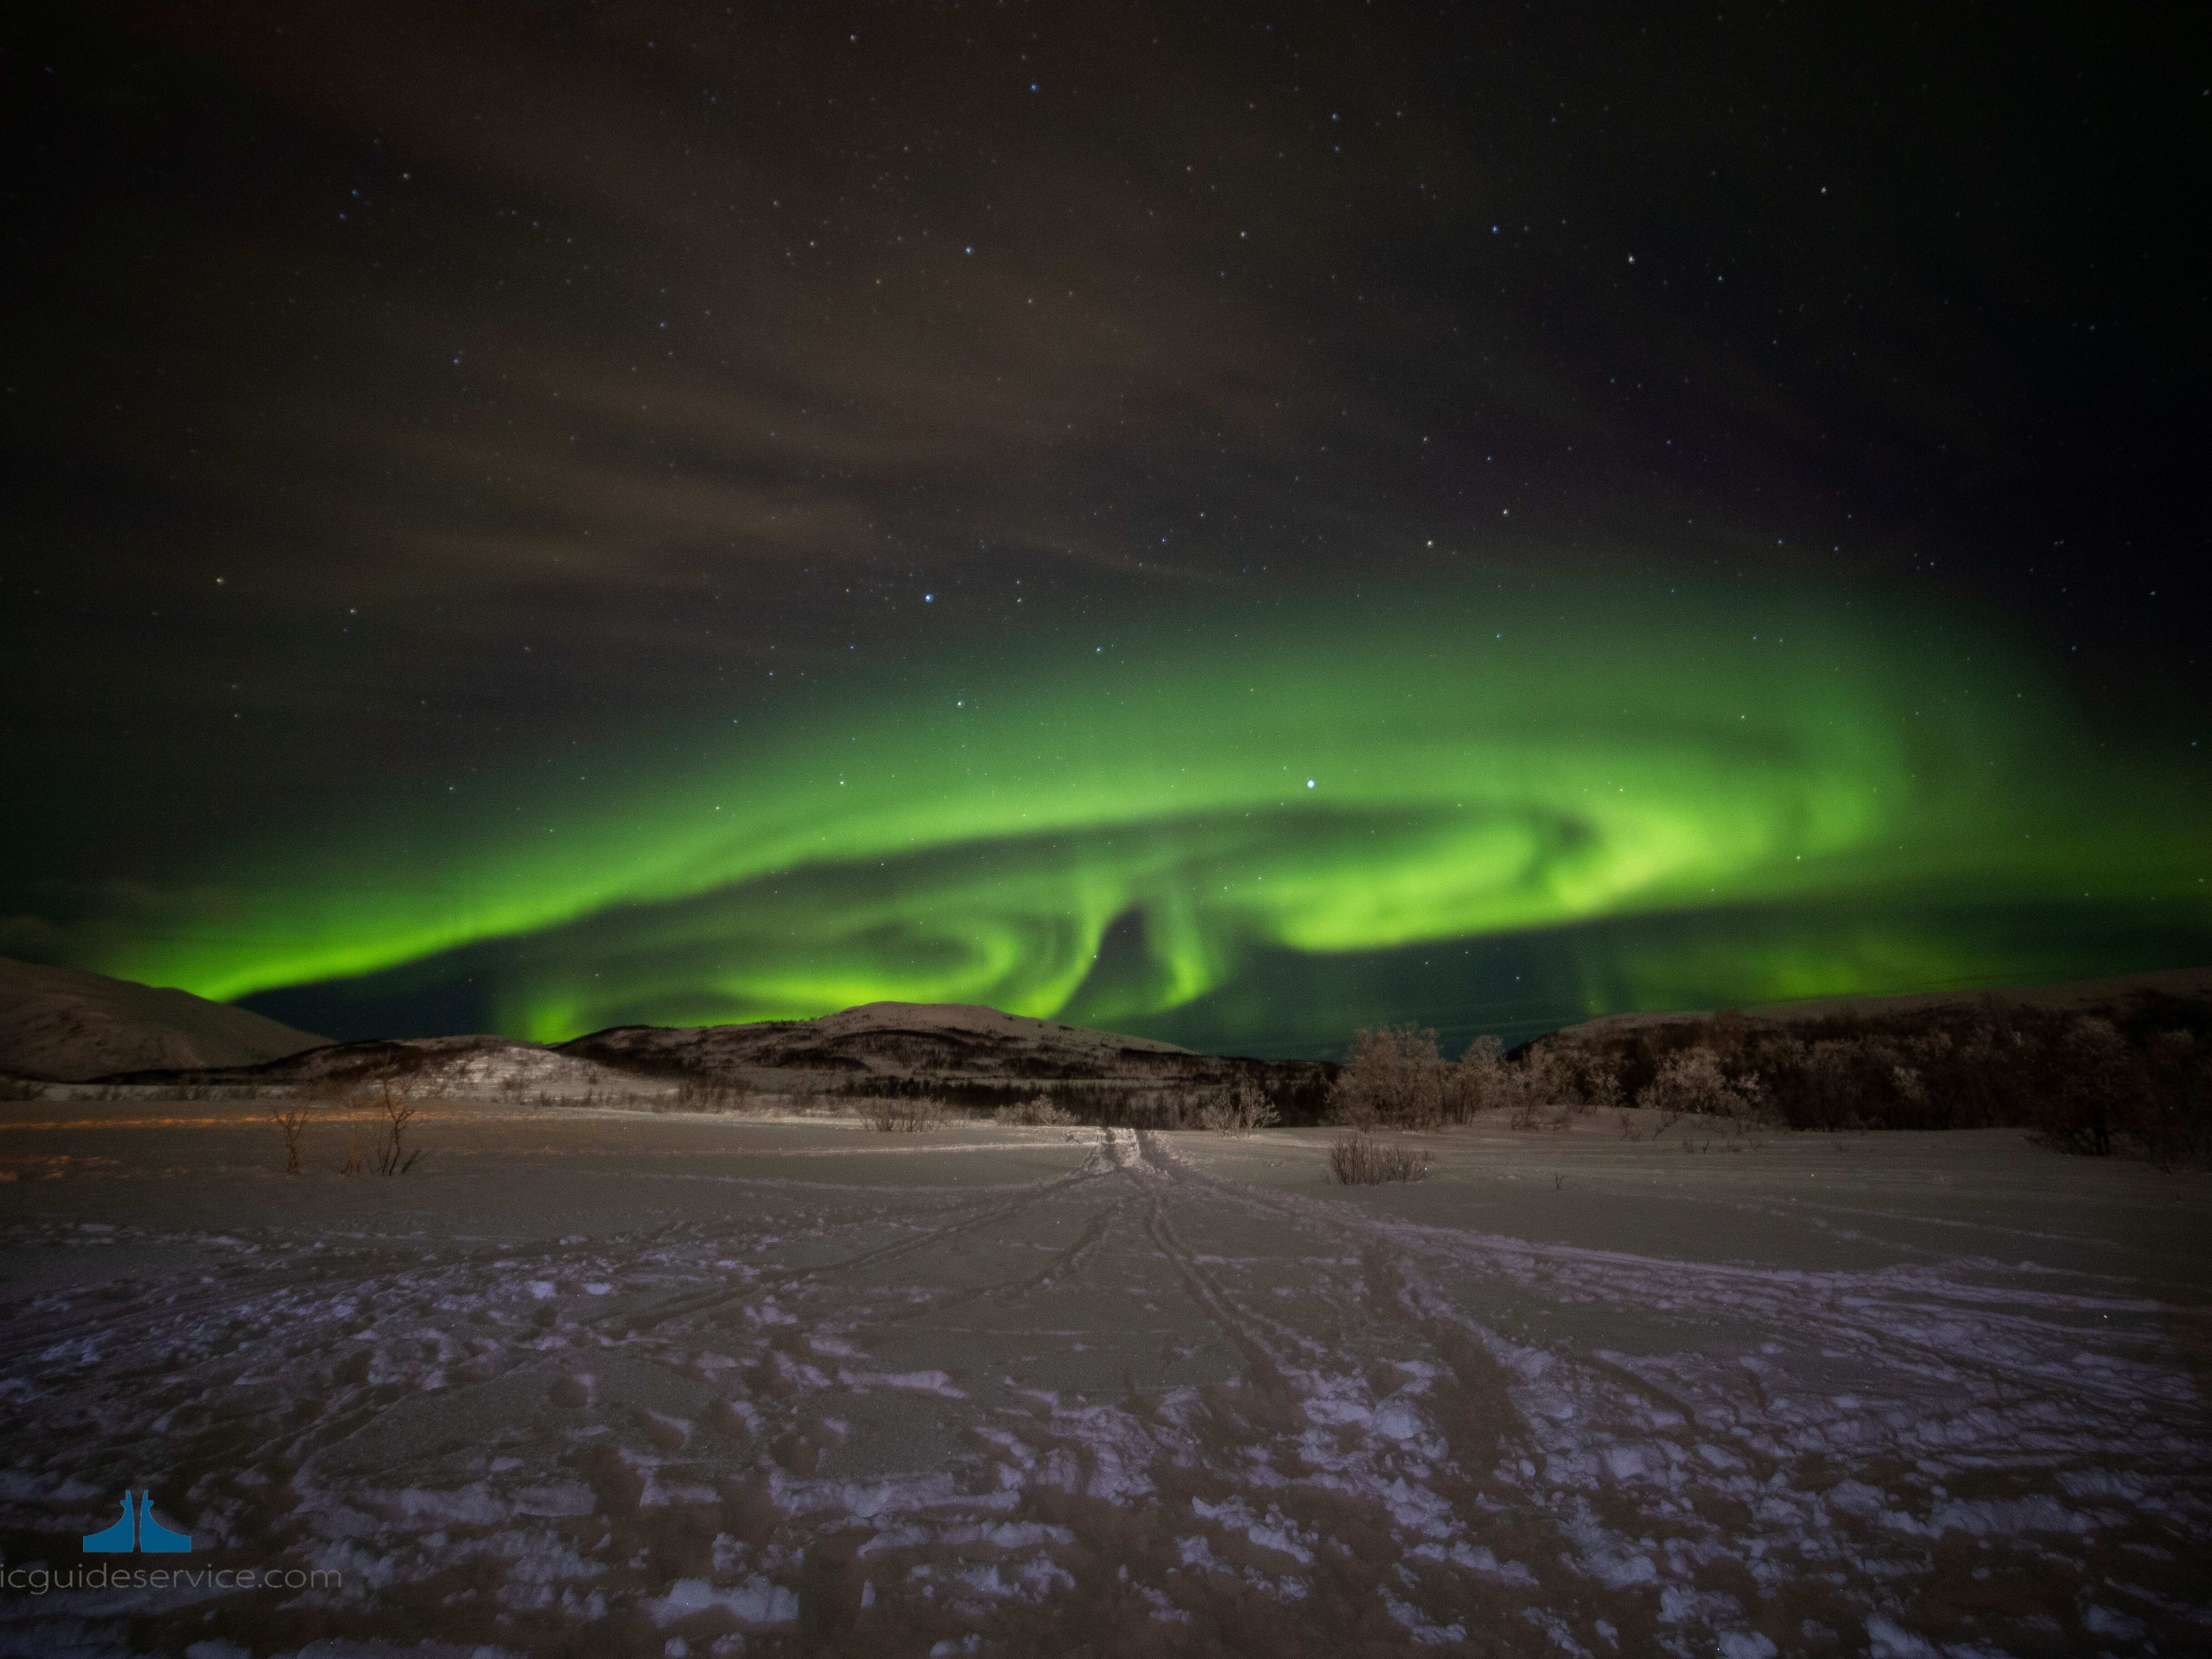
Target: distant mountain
x=901 y=1048
x=459 y=1067
x=892 y=1039
x=973 y=1057
x=70 y=1025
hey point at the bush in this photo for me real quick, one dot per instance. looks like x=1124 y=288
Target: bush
x=1480 y=1080
x=1393 y=1076
x=1396 y=1076
x=391 y=1154
x=702 y=1095
x=1695 y=1081
x=1233 y=1111
x=1357 y=1160
x=2173 y=1126
x=291 y=1117
x=1298 y=1089
x=21 y=1088
x=904 y=1116
x=1033 y=1114
x=2091 y=1084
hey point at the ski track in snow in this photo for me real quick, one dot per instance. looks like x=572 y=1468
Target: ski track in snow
x=1135 y=1404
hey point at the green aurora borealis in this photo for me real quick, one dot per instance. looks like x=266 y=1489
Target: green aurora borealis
x=1231 y=524
x=1113 y=833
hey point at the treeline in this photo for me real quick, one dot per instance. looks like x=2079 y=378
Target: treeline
x=2134 y=1077
x=1395 y=1079
x=1254 y=1094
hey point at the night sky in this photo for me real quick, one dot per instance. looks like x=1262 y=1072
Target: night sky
x=1228 y=523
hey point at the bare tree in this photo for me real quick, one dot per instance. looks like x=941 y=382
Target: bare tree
x=1694 y=1080
x=291 y=1117
x=1395 y=1076
x=1236 y=1110
x=1033 y=1113
x=392 y=1155
x=895 y=1116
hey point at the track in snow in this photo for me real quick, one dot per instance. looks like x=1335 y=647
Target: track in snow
x=1130 y=1402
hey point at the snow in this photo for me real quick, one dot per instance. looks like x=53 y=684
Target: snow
x=663 y=1384
x=755 y=1601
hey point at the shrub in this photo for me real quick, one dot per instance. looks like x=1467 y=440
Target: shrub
x=1034 y=1114
x=1528 y=1114
x=391 y=1154
x=2173 y=1125
x=291 y=1118
x=1594 y=1081
x=1396 y=1076
x=1393 y=1076
x=1541 y=1079
x=1357 y=1160
x=904 y=1116
x=2093 y=1088
x=1238 y=1109
x=1480 y=1080
x=697 y=1095
x=1694 y=1080
x=21 y=1088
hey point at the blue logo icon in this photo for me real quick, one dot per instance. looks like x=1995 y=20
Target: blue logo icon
x=152 y=1537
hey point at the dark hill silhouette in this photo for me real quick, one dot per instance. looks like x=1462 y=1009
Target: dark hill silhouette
x=67 y=1025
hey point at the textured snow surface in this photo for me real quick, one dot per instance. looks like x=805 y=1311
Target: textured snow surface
x=650 y=1389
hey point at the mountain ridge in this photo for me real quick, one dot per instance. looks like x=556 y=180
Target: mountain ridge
x=69 y=1025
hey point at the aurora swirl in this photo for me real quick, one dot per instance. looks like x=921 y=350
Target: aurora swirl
x=1113 y=832
x=1233 y=526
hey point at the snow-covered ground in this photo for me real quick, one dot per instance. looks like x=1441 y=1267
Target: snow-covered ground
x=616 y=1383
